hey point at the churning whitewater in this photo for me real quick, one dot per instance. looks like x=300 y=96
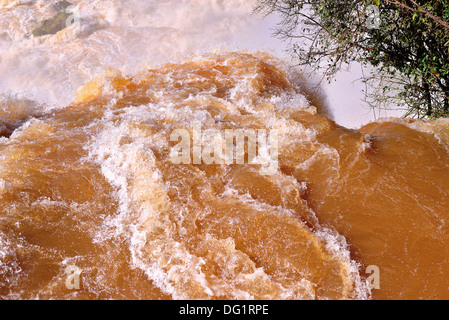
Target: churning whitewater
x=90 y=121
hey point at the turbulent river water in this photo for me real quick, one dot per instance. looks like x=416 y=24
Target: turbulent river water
x=87 y=176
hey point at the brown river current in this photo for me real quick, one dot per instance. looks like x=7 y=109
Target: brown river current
x=93 y=186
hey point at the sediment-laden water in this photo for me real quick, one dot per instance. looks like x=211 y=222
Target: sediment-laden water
x=87 y=177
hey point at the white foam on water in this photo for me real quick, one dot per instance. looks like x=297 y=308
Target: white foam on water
x=127 y=36
x=10 y=269
x=338 y=246
x=128 y=163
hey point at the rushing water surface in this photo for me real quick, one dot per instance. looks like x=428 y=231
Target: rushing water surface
x=87 y=180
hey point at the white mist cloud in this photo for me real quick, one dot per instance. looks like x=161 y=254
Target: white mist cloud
x=130 y=35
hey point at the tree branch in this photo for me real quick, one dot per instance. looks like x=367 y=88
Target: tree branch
x=420 y=10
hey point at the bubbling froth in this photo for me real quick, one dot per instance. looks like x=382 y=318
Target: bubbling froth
x=94 y=186
x=183 y=231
